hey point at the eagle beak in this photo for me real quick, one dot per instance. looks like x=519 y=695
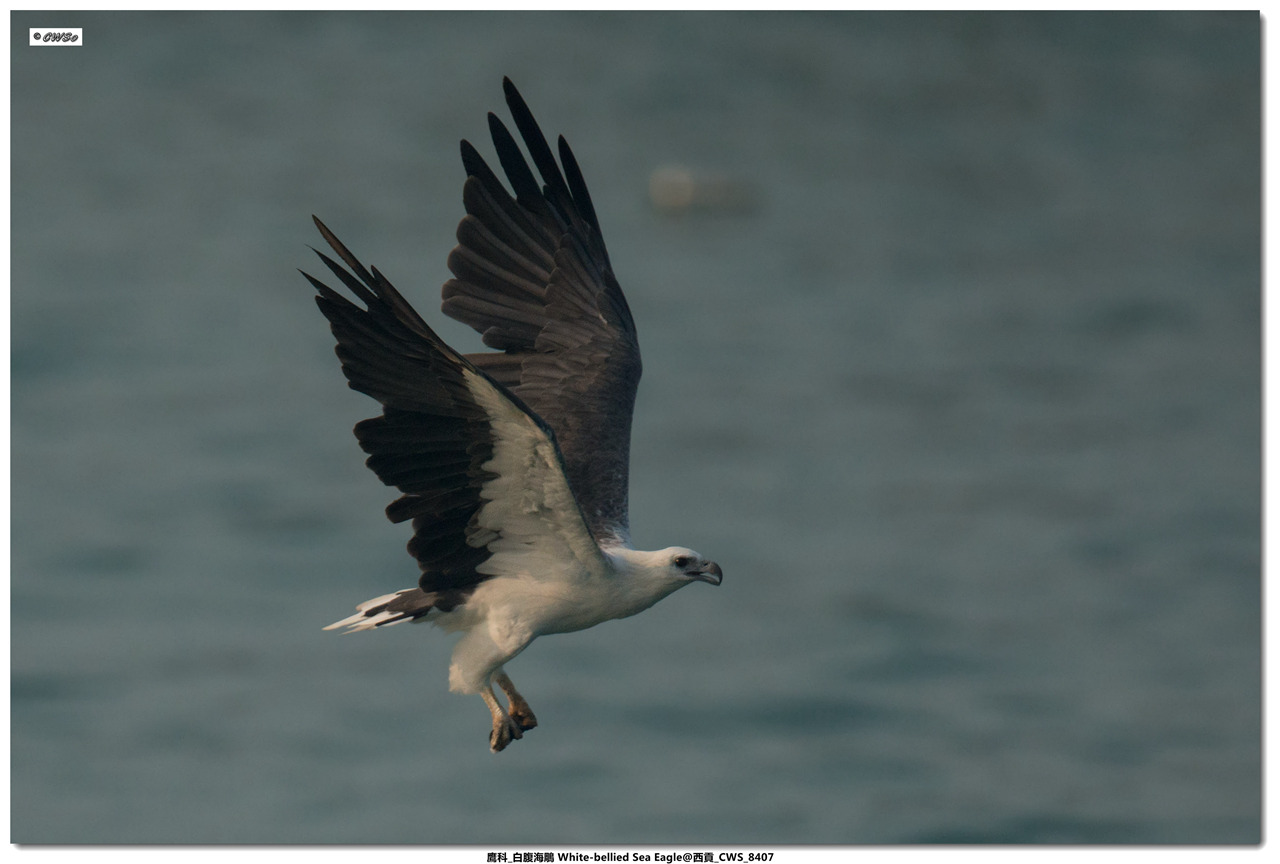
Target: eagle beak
x=710 y=572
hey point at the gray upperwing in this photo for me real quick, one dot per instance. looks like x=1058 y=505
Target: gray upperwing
x=534 y=279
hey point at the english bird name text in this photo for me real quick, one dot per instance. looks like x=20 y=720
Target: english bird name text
x=661 y=857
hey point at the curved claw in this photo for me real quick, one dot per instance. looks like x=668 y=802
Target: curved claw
x=523 y=717
x=504 y=732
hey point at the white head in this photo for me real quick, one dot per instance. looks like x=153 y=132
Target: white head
x=687 y=565
x=641 y=579
x=673 y=567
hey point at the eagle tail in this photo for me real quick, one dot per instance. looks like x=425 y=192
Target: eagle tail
x=411 y=604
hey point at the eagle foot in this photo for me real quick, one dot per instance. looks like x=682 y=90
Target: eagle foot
x=504 y=732
x=524 y=717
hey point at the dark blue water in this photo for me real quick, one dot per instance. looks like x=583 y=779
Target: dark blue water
x=967 y=405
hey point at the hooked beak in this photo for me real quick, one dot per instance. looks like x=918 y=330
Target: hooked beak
x=710 y=572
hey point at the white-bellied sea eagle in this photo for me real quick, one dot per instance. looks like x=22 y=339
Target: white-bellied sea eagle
x=513 y=463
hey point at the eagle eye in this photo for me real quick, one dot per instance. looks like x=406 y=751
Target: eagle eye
x=681 y=561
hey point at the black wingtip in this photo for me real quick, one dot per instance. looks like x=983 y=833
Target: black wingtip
x=334 y=243
x=343 y=252
x=577 y=185
x=514 y=100
x=523 y=183
x=472 y=161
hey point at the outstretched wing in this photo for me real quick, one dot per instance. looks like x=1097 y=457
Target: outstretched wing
x=533 y=277
x=482 y=478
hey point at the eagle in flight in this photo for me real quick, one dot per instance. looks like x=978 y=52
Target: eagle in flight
x=512 y=463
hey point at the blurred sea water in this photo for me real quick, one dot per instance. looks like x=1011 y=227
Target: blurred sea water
x=967 y=405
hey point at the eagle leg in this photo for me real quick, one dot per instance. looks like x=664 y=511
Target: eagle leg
x=519 y=710
x=505 y=729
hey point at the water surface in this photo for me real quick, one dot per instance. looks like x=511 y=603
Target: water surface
x=967 y=407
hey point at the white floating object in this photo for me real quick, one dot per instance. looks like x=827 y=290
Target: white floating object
x=679 y=189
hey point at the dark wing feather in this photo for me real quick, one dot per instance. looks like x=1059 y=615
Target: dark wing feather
x=533 y=278
x=433 y=439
